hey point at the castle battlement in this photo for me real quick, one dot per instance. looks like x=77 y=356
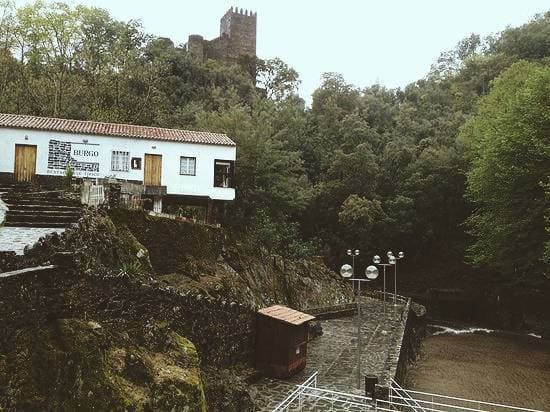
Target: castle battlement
x=244 y=12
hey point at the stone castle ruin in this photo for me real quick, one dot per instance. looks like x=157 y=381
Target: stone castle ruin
x=237 y=40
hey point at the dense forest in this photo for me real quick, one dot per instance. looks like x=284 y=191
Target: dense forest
x=454 y=169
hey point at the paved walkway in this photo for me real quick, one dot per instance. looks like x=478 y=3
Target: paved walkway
x=334 y=355
x=15 y=239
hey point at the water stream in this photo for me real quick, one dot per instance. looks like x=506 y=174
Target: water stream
x=484 y=364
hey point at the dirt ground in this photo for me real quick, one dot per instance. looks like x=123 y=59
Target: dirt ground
x=500 y=368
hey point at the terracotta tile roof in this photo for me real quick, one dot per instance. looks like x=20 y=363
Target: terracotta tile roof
x=113 y=129
x=285 y=314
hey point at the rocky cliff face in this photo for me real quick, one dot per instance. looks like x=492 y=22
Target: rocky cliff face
x=114 y=317
x=203 y=258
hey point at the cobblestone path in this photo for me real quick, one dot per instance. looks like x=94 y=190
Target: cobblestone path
x=334 y=355
x=14 y=239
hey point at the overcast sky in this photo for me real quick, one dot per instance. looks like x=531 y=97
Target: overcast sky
x=384 y=41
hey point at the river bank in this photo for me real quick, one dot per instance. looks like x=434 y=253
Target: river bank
x=484 y=365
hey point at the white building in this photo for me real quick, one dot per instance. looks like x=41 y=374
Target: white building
x=166 y=161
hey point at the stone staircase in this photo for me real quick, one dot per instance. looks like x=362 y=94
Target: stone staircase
x=30 y=206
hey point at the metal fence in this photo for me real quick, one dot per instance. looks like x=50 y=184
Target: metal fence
x=309 y=397
x=417 y=401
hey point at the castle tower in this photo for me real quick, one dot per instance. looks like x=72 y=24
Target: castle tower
x=195 y=46
x=239 y=27
x=237 y=40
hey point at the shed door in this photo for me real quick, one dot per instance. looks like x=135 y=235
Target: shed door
x=152 y=170
x=25 y=162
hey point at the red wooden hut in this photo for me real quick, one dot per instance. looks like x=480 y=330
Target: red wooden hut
x=281 y=341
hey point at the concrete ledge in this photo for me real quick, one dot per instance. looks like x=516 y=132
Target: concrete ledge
x=36 y=269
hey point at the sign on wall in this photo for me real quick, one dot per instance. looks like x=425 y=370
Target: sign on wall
x=82 y=157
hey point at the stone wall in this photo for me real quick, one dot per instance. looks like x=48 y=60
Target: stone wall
x=413 y=333
x=221 y=329
x=405 y=347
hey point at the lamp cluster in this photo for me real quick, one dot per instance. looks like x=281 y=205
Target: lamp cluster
x=392 y=259
x=347 y=271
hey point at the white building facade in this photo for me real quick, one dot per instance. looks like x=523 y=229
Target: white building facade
x=180 y=162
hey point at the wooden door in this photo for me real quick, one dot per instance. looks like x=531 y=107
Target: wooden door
x=25 y=162
x=152 y=171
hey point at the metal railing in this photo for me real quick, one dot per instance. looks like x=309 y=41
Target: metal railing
x=435 y=402
x=378 y=294
x=308 y=395
x=289 y=400
x=92 y=195
x=396 y=391
x=97 y=195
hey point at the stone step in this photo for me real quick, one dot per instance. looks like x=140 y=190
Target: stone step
x=36 y=224
x=16 y=186
x=30 y=206
x=53 y=202
x=9 y=189
x=42 y=212
x=38 y=192
x=30 y=196
x=31 y=218
x=31 y=188
x=51 y=207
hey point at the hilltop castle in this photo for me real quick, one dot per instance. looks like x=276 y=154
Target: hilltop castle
x=237 y=39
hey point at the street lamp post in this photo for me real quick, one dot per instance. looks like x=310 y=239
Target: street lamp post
x=353 y=254
x=371 y=273
x=378 y=261
x=393 y=261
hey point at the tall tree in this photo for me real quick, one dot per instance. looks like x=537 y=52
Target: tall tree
x=509 y=144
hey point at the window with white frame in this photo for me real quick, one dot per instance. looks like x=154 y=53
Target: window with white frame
x=120 y=161
x=188 y=165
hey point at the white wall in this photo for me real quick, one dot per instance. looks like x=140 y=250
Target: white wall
x=100 y=148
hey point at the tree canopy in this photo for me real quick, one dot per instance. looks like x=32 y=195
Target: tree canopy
x=509 y=142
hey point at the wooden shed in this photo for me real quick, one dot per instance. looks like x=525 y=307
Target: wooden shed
x=281 y=341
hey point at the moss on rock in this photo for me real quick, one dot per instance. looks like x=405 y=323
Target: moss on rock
x=83 y=365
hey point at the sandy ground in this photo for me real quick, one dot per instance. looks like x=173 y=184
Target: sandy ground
x=500 y=368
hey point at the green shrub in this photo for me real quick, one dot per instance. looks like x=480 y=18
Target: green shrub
x=67 y=181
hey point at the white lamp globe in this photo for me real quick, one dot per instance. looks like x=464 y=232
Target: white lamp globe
x=346 y=271
x=371 y=272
